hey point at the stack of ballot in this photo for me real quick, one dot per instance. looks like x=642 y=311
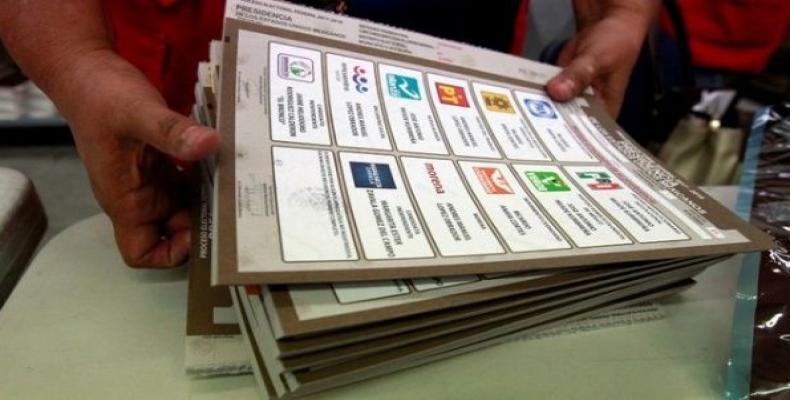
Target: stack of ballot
x=384 y=199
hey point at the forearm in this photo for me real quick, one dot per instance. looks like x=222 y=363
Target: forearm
x=64 y=46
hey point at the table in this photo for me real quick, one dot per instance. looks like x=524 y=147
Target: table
x=80 y=325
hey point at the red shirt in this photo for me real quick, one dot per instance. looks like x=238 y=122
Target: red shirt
x=734 y=35
x=166 y=39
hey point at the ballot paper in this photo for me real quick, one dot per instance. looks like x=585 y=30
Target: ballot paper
x=278 y=382
x=354 y=151
x=323 y=328
x=384 y=199
x=310 y=327
x=214 y=344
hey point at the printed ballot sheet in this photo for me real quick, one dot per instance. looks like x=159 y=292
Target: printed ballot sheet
x=356 y=111
x=411 y=120
x=357 y=151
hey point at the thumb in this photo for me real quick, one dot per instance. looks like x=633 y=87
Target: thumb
x=573 y=79
x=172 y=133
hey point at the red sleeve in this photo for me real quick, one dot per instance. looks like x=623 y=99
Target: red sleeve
x=166 y=39
x=734 y=35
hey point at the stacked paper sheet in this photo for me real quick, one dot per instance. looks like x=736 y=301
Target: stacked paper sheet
x=384 y=199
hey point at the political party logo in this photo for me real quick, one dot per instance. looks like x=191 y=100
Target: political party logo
x=359 y=76
x=452 y=95
x=540 y=108
x=497 y=102
x=602 y=180
x=547 y=181
x=493 y=180
x=403 y=87
x=372 y=175
x=295 y=68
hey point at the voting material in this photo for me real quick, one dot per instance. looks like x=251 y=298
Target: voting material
x=383 y=199
x=347 y=157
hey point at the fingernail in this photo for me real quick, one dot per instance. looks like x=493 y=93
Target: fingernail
x=567 y=88
x=192 y=139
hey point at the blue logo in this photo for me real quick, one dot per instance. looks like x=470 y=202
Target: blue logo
x=540 y=109
x=360 y=81
x=372 y=176
x=403 y=87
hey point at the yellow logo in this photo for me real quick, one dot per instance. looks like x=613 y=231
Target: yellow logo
x=497 y=102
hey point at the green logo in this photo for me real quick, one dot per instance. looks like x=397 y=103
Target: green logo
x=547 y=181
x=403 y=87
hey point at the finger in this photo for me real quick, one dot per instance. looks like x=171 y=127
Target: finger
x=567 y=52
x=613 y=92
x=145 y=246
x=181 y=221
x=170 y=132
x=573 y=79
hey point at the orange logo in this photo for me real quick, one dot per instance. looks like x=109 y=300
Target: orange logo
x=497 y=102
x=493 y=180
x=452 y=95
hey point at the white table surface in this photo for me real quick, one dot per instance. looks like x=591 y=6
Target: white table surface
x=80 y=325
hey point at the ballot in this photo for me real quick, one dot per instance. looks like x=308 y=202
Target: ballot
x=357 y=151
x=383 y=199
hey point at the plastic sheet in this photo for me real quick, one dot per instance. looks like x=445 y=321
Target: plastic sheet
x=759 y=365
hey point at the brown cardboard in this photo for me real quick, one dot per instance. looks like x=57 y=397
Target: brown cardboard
x=202 y=298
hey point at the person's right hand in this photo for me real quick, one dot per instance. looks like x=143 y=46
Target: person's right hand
x=124 y=133
x=604 y=50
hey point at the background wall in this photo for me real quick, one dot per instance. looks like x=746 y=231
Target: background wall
x=549 y=20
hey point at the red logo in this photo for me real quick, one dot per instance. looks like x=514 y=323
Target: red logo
x=493 y=180
x=602 y=180
x=452 y=95
x=604 y=185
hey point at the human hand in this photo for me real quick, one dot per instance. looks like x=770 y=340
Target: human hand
x=123 y=129
x=604 y=50
x=125 y=133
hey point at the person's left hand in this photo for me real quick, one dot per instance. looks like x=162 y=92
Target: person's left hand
x=602 y=54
